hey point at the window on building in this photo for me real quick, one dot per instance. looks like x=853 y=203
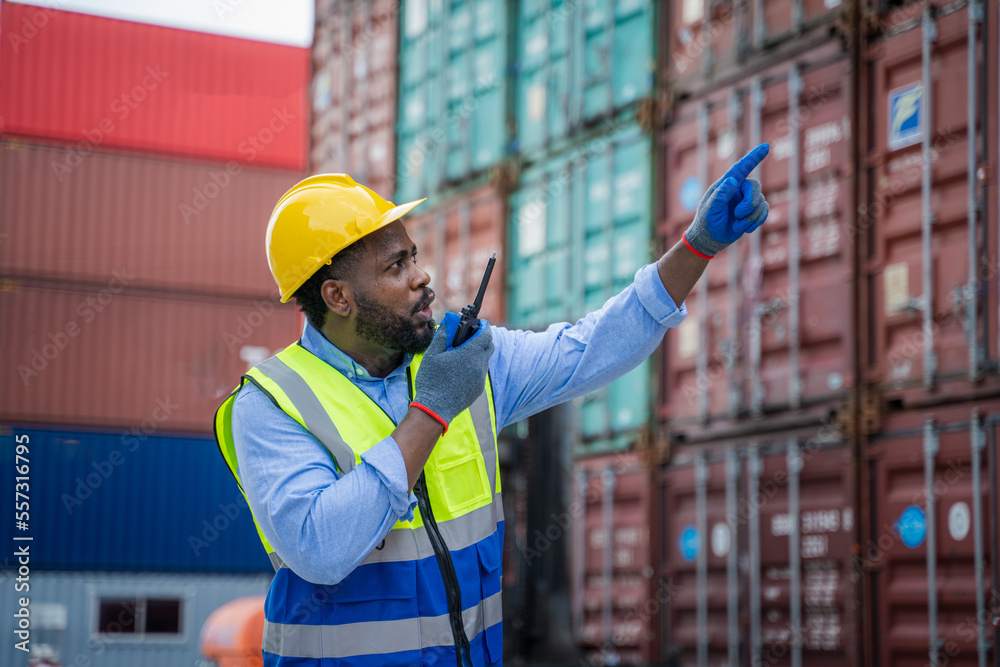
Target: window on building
x=132 y=616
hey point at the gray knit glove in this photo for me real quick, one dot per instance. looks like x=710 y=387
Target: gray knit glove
x=450 y=380
x=732 y=206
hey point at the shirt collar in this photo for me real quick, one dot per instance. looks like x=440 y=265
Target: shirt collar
x=314 y=341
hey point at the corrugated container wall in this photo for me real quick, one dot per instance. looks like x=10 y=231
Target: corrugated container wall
x=757 y=552
x=710 y=43
x=454 y=241
x=131 y=500
x=452 y=119
x=577 y=64
x=931 y=278
x=930 y=546
x=106 y=354
x=95 y=82
x=615 y=607
x=770 y=324
x=181 y=228
x=78 y=593
x=579 y=230
x=354 y=91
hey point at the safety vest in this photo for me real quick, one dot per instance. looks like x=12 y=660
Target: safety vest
x=431 y=590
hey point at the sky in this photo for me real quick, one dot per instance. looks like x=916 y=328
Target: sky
x=278 y=21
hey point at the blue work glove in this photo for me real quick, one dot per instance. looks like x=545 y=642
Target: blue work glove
x=450 y=379
x=732 y=207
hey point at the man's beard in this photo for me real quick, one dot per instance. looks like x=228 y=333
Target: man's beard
x=377 y=324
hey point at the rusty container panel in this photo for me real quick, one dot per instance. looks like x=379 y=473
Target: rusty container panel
x=682 y=549
x=732 y=510
x=455 y=240
x=826 y=536
x=151 y=88
x=928 y=345
x=711 y=42
x=354 y=91
x=182 y=227
x=616 y=609
x=113 y=355
x=768 y=328
x=920 y=551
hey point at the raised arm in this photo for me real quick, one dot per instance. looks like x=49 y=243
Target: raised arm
x=534 y=371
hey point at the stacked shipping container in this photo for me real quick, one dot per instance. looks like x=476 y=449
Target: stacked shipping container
x=138 y=212
x=138 y=165
x=354 y=91
x=860 y=318
x=579 y=227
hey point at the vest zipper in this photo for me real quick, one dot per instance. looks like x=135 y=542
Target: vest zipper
x=443 y=555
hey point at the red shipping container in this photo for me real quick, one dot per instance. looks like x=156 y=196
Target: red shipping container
x=758 y=552
x=711 y=42
x=616 y=609
x=95 y=82
x=925 y=469
x=180 y=227
x=112 y=355
x=932 y=323
x=768 y=329
x=455 y=240
x=354 y=92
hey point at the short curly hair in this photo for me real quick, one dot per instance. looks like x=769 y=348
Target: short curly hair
x=343 y=266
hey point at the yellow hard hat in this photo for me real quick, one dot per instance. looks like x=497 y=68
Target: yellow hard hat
x=318 y=218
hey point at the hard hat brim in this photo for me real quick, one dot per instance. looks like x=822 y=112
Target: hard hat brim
x=390 y=216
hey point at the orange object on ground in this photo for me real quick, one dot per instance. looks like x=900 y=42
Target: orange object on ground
x=233 y=633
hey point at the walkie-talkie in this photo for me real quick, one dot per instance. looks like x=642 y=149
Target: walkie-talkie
x=469 y=324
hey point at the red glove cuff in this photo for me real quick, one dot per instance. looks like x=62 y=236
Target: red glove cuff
x=700 y=254
x=436 y=416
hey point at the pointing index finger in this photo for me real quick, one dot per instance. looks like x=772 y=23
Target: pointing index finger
x=749 y=162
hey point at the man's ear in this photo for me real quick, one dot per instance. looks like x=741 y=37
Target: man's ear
x=338 y=296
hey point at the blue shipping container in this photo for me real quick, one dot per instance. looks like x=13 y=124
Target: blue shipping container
x=103 y=500
x=579 y=62
x=452 y=93
x=580 y=227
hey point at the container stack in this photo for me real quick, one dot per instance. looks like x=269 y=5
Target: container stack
x=580 y=225
x=929 y=264
x=141 y=154
x=452 y=141
x=824 y=408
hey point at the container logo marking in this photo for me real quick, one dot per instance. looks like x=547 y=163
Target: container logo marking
x=906 y=116
x=690 y=194
x=959 y=521
x=912 y=526
x=689 y=543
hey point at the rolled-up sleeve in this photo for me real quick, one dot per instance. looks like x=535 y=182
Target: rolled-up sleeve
x=537 y=370
x=320 y=524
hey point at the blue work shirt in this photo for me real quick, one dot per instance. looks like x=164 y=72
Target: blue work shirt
x=323 y=526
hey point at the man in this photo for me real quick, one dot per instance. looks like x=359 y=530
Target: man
x=367 y=449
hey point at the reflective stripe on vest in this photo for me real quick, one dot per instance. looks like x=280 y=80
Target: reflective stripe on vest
x=375 y=637
x=464 y=488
